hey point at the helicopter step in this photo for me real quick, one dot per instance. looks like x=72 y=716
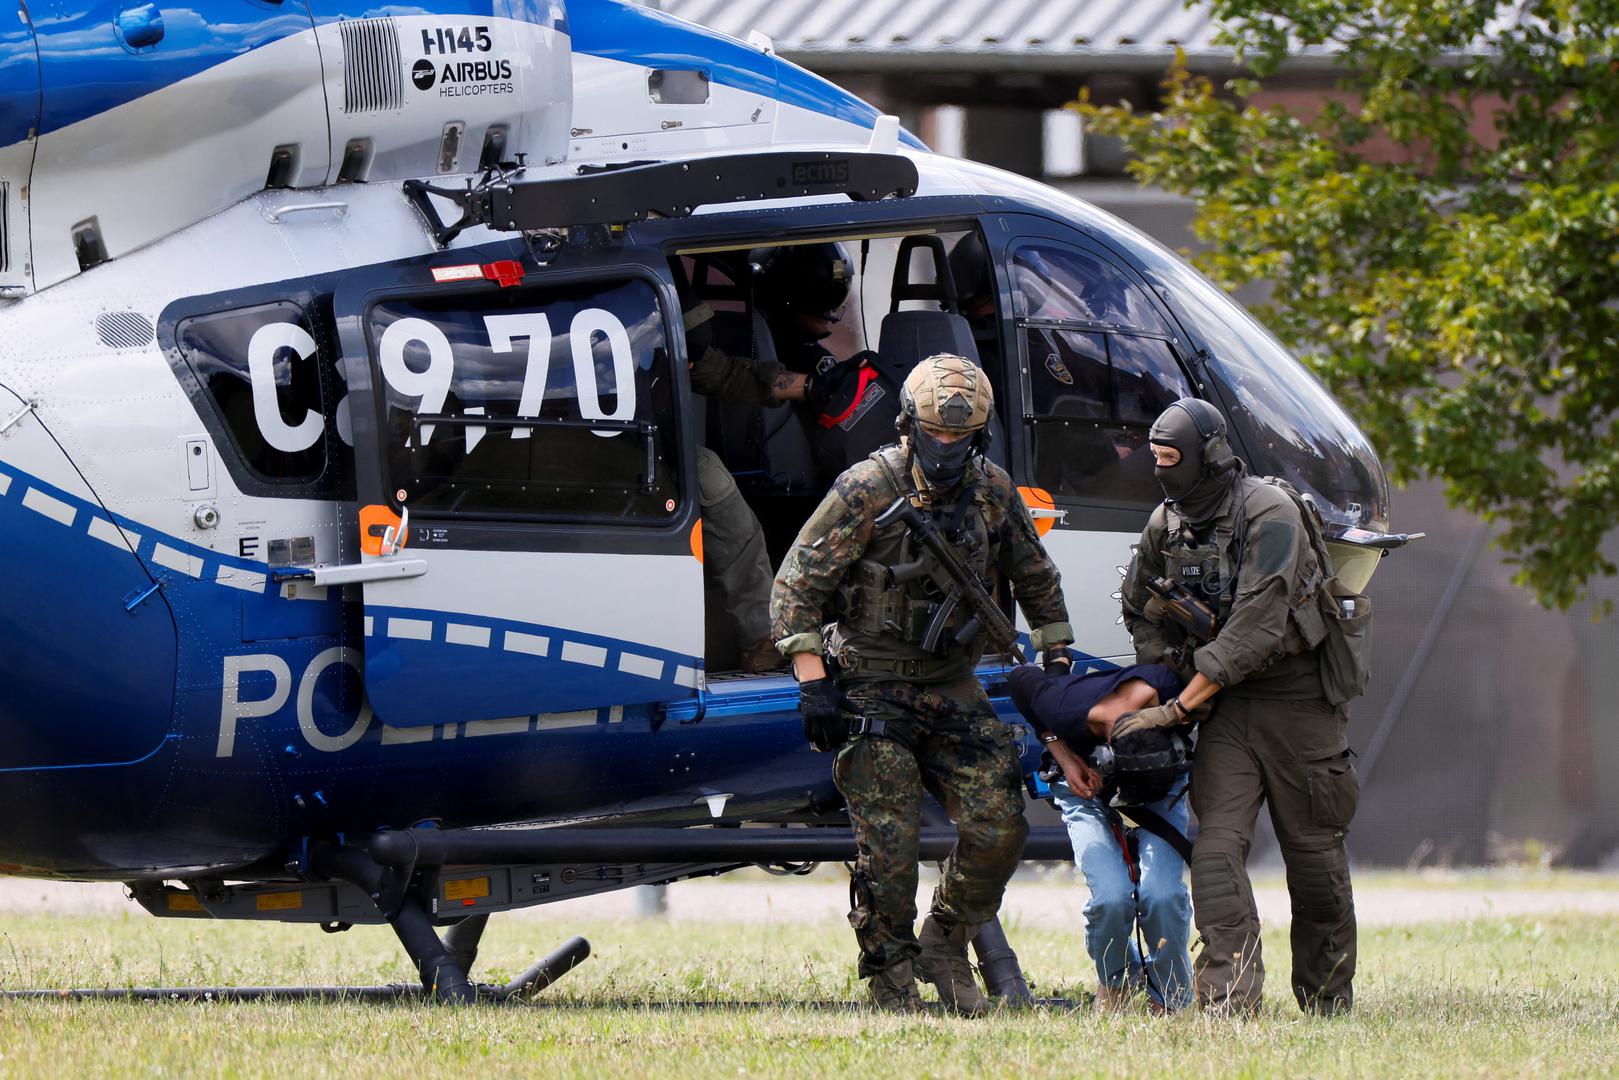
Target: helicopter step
x=449 y=896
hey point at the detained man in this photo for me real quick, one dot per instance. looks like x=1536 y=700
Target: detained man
x=1126 y=818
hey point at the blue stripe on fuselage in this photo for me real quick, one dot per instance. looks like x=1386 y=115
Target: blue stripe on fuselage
x=85 y=69
x=615 y=30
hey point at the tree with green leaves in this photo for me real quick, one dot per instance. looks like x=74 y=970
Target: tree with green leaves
x=1442 y=238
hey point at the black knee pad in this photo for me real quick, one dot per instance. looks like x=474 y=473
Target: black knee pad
x=1318 y=883
x=1218 y=874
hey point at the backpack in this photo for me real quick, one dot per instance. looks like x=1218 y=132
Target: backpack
x=1346 y=646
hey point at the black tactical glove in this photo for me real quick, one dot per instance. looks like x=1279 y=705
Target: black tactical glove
x=823 y=707
x=1058 y=660
x=821 y=387
x=836 y=390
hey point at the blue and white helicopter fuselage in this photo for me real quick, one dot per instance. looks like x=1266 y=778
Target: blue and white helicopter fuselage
x=316 y=525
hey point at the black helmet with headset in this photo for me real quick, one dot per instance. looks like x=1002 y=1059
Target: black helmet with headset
x=804 y=279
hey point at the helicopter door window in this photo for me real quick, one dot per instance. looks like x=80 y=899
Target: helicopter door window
x=258 y=366
x=1065 y=285
x=1100 y=370
x=1146 y=378
x=548 y=402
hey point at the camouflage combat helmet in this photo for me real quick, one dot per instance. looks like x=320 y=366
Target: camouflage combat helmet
x=948 y=392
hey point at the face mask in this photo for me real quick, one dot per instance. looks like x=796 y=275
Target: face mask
x=1196 y=490
x=942 y=464
x=1179 y=479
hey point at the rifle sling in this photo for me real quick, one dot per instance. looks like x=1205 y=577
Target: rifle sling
x=1160 y=827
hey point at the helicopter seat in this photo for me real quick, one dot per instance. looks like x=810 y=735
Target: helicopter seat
x=905 y=339
x=765 y=448
x=909 y=337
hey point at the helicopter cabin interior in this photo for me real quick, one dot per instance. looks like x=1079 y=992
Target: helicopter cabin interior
x=1094 y=365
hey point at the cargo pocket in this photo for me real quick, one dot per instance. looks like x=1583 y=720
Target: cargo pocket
x=1334 y=791
x=1008 y=738
x=1346 y=653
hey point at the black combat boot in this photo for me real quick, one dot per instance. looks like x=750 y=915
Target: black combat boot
x=893 y=989
x=944 y=964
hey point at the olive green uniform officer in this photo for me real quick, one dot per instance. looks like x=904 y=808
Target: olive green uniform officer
x=736 y=564
x=1241 y=544
x=924 y=722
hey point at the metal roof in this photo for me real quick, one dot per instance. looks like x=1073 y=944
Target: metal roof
x=1045 y=35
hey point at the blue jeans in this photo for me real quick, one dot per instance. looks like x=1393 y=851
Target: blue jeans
x=1160 y=903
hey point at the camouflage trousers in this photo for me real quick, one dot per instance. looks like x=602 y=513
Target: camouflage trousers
x=947 y=742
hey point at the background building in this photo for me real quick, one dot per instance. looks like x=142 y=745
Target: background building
x=1488 y=730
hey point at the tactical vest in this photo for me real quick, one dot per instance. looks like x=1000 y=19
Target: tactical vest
x=1210 y=568
x=887 y=602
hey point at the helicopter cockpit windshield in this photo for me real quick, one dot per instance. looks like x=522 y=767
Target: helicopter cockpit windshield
x=1285 y=419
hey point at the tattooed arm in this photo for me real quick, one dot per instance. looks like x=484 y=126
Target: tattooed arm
x=789 y=386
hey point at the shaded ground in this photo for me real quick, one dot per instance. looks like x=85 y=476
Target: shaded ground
x=1035 y=899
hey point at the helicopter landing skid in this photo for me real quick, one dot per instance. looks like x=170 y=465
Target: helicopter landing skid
x=442 y=962
x=536 y=978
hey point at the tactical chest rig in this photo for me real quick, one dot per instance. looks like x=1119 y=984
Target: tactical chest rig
x=1206 y=571
x=1321 y=611
x=1200 y=575
x=893 y=615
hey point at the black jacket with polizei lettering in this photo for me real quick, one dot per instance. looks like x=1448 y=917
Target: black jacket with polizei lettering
x=842 y=532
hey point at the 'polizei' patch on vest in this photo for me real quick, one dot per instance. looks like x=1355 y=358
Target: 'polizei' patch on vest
x=874 y=393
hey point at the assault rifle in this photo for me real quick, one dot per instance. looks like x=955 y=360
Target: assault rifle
x=956 y=580
x=1183 y=608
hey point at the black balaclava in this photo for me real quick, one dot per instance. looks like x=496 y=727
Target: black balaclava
x=1198 y=483
x=942 y=464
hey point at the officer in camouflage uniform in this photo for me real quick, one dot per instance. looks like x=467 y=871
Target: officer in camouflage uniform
x=736 y=565
x=922 y=722
x=1242 y=545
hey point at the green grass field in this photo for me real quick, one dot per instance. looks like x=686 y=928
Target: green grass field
x=1486 y=998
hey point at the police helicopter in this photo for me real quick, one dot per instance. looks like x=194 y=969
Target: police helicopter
x=347 y=450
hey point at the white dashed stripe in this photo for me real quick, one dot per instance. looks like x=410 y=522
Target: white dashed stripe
x=370 y=625
x=108 y=533
x=178 y=561
x=554 y=721
x=247 y=580
x=532 y=644
x=393 y=736
x=410 y=629
x=686 y=676
x=511 y=725
x=50 y=506
x=5 y=483
x=461 y=634
x=644 y=666
x=577 y=652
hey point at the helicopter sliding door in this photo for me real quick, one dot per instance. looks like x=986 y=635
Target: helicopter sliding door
x=1099 y=359
x=528 y=517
